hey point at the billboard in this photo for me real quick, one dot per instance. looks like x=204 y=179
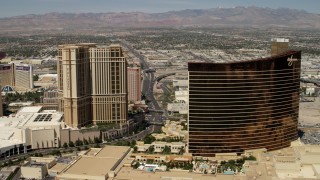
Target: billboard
x=5 y=67
x=23 y=68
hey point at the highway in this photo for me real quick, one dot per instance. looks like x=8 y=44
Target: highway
x=148 y=83
x=165 y=88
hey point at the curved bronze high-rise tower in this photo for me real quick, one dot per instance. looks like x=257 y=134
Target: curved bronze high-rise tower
x=243 y=105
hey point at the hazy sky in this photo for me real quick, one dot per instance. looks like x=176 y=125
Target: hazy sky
x=21 y=7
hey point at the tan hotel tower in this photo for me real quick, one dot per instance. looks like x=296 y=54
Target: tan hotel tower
x=92 y=84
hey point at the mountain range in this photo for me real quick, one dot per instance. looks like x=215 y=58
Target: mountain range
x=238 y=16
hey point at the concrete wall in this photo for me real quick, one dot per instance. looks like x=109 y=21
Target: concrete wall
x=42 y=138
x=34 y=172
x=50 y=162
x=68 y=135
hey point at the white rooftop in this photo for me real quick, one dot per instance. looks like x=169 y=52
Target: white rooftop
x=28 y=103
x=12 y=127
x=279 y=40
x=181 y=93
x=32 y=109
x=180 y=83
x=48 y=75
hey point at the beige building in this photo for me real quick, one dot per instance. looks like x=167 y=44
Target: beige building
x=92 y=84
x=134 y=84
x=109 y=84
x=96 y=164
x=74 y=89
x=50 y=99
x=16 y=75
x=36 y=167
x=279 y=45
x=7 y=75
x=23 y=77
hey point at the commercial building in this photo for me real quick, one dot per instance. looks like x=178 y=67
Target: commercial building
x=30 y=128
x=16 y=75
x=23 y=76
x=7 y=75
x=279 y=45
x=109 y=84
x=97 y=163
x=243 y=105
x=92 y=84
x=134 y=84
x=74 y=84
x=50 y=99
x=37 y=167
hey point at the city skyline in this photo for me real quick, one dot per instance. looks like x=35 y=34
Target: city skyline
x=15 y=7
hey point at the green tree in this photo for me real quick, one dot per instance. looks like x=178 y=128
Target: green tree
x=135 y=149
x=151 y=150
x=35 y=77
x=79 y=142
x=71 y=144
x=65 y=145
x=239 y=161
x=10 y=162
x=166 y=150
x=136 y=165
x=97 y=140
x=96 y=146
x=149 y=139
x=149 y=161
x=85 y=142
x=133 y=143
x=182 y=151
x=251 y=158
x=90 y=141
x=231 y=161
x=55 y=153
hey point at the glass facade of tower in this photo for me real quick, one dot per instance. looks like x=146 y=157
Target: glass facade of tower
x=243 y=105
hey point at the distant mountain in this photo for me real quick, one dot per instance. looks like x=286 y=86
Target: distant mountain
x=238 y=16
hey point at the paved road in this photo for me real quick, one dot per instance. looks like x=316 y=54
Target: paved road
x=148 y=83
x=166 y=90
x=135 y=52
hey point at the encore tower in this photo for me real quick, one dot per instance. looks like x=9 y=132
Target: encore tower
x=92 y=84
x=243 y=105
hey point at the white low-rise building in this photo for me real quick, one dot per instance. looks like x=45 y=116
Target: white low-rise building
x=177 y=107
x=180 y=85
x=175 y=147
x=182 y=96
x=30 y=128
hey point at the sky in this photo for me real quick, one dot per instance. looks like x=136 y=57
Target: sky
x=10 y=8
